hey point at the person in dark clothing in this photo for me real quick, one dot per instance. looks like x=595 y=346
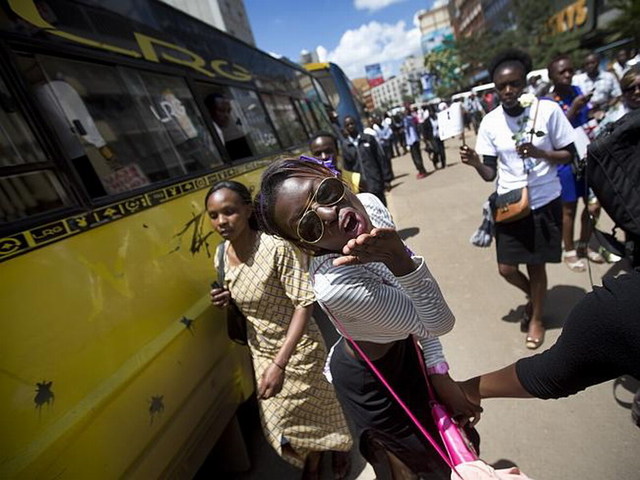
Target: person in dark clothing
x=361 y=153
x=413 y=141
x=324 y=146
x=439 y=152
x=599 y=342
x=399 y=145
x=227 y=128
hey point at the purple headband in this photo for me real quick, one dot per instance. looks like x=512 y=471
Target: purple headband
x=328 y=164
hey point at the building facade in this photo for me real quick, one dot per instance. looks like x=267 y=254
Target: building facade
x=499 y=15
x=435 y=28
x=392 y=93
x=362 y=85
x=467 y=17
x=308 y=57
x=228 y=16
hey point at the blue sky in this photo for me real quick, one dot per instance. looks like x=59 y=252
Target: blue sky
x=351 y=33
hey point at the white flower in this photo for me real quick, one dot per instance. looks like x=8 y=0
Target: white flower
x=526 y=100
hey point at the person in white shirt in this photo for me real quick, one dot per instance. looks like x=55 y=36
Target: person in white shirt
x=506 y=149
x=621 y=63
x=380 y=294
x=384 y=134
x=603 y=86
x=630 y=86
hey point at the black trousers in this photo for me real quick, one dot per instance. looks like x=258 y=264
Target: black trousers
x=440 y=154
x=416 y=156
x=387 y=169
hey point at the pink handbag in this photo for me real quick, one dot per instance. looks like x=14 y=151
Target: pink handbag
x=455 y=440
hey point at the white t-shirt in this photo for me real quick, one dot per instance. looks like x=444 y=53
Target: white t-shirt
x=496 y=138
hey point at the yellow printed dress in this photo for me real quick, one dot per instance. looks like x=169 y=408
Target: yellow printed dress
x=306 y=413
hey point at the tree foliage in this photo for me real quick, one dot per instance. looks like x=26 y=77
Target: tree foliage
x=444 y=64
x=627 y=24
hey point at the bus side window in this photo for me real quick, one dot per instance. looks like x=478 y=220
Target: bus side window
x=302 y=107
x=23 y=193
x=121 y=128
x=320 y=114
x=239 y=121
x=285 y=119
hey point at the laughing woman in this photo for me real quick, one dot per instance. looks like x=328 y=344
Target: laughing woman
x=365 y=277
x=300 y=414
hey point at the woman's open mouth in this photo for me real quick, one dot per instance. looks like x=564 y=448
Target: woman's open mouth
x=351 y=223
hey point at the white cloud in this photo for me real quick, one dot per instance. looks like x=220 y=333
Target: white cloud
x=438 y=4
x=373 y=5
x=387 y=44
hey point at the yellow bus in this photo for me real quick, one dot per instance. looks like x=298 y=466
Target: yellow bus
x=115 y=117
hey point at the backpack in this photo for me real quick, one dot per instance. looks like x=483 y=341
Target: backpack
x=613 y=171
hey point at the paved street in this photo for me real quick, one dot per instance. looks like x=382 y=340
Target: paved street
x=589 y=436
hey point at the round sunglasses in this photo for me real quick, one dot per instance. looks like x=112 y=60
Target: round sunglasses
x=310 y=226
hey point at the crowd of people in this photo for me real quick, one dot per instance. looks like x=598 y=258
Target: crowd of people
x=309 y=236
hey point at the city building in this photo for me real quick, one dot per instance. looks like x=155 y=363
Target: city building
x=230 y=17
x=435 y=28
x=362 y=85
x=412 y=65
x=499 y=15
x=392 y=93
x=467 y=17
x=308 y=57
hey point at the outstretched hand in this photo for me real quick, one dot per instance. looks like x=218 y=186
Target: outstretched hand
x=463 y=408
x=380 y=245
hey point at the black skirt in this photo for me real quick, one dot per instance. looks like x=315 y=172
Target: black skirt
x=532 y=240
x=374 y=413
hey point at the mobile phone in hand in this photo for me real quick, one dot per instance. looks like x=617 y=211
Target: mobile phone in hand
x=215 y=284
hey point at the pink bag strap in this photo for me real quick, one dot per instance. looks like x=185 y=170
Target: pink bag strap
x=423 y=367
x=393 y=393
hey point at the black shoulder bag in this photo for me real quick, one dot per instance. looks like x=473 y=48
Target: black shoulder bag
x=236 y=320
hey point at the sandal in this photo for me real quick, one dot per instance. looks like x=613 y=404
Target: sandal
x=593 y=256
x=570 y=258
x=532 y=342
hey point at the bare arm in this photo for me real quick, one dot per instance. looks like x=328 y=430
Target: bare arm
x=499 y=383
x=297 y=327
x=469 y=156
x=273 y=377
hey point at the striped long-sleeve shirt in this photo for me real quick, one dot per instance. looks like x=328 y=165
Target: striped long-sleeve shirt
x=376 y=306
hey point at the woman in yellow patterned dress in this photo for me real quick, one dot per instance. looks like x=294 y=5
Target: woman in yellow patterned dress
x=300 y=414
